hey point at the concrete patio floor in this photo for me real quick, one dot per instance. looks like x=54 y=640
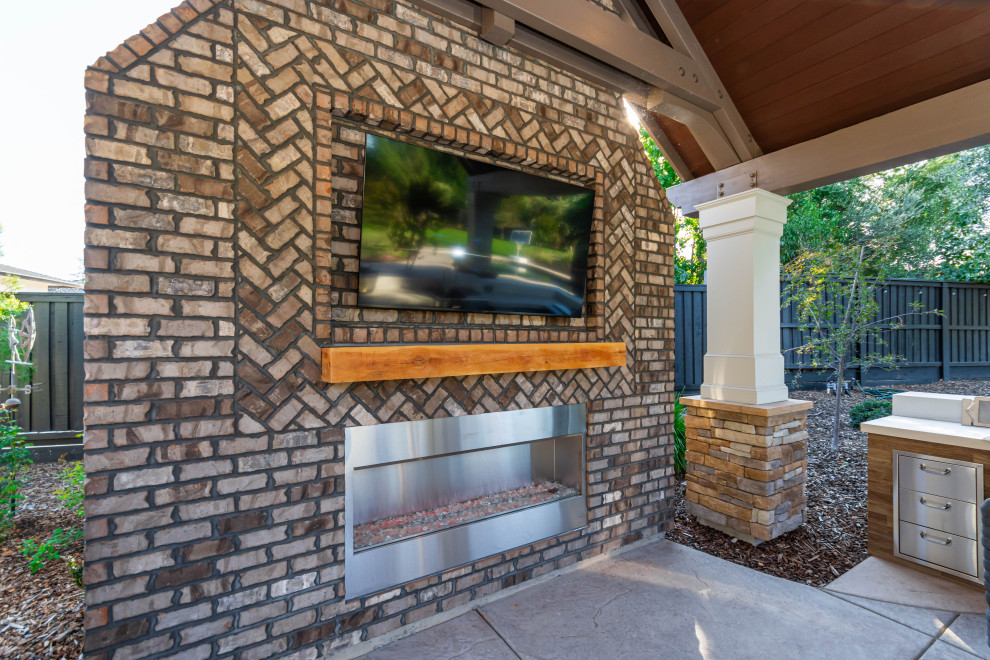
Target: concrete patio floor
x=663 y=600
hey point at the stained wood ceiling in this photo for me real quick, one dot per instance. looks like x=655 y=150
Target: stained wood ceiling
x=797 y=70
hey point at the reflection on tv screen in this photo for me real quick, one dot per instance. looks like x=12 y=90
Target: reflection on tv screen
x=444 y=232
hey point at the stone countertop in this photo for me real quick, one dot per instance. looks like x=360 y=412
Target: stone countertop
x=929 y=430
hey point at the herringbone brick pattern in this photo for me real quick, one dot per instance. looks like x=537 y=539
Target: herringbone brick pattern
x=278 y=353
x=277 y=358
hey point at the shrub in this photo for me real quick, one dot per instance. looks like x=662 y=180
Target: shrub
x=72 y=495
x=14 y=459
x=871 y=409
x=680 y=436
x=38 y=554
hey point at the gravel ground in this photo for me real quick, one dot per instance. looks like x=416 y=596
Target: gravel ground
x=833 y=540
x=41 y=615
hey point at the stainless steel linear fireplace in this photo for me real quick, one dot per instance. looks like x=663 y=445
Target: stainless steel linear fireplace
x=421 y=497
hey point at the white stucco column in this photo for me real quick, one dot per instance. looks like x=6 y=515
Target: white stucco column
x=743 y=363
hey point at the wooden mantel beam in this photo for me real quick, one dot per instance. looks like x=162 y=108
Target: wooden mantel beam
x=942 y=125
x=351 y=364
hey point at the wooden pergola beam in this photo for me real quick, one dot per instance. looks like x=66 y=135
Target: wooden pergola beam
x=677 y=30
x=942 y=125
x=703 y=125
x=610 y=39
x=468 y=14
x=666 y=146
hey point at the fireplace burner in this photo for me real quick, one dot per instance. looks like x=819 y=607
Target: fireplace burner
x=422 y=497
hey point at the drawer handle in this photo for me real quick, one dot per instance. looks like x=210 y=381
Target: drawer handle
x=925 y=468
x=935 y=539
x=943 y=507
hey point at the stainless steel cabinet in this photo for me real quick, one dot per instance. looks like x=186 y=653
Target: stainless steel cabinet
x=937 y=516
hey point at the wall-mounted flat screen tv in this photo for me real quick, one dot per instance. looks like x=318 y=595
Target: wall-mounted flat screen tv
x=444 y=232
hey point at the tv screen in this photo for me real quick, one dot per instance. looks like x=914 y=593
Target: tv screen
x=444 y=232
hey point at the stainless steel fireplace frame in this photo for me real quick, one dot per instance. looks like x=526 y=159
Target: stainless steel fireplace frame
x=406 y=446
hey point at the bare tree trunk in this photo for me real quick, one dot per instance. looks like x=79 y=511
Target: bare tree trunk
x=838 y=404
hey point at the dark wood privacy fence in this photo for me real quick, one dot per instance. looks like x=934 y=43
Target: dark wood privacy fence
x=690 y=335
x=53 y=412
x=955 y=344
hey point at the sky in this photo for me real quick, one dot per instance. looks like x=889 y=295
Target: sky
x=46 y=48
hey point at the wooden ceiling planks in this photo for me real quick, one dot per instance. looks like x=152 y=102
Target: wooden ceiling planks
x=816 y=43
x=871 y=59
x=799 y=70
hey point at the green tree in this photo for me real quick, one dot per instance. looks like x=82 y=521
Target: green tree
x=834 y=295
x=691 y=260
x=934 y=216
x=661 y=167
x=820 y=218
x=944 y=204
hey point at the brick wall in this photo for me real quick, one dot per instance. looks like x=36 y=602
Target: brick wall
x=225 y=156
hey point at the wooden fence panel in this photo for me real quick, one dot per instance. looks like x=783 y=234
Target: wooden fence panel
x=969 y=330
x=798 y=369
x=953 y=344
x=54 y=409
x=918 y=342
x=690 y=336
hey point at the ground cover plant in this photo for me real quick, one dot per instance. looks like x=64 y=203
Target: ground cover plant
x=41 y=552
x=41 y=612
x=14 y=460
x=869 y=410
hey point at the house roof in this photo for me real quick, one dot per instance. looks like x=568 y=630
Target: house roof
x=39 y=277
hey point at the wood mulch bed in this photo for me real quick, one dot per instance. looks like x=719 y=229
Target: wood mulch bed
x=41 y=615
x=833 y=540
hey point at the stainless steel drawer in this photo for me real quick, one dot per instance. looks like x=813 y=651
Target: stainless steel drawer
x=935 y=512
x=937 y=478
x=939 y=548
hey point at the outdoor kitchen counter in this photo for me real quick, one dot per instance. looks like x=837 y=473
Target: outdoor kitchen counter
x=928 y=475
x=930 y=430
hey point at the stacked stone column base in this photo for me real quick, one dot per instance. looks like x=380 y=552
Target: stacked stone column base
x=747 y=466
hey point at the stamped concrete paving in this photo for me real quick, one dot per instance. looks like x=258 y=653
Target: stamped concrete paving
x=893 y=582
x=664 y=600
x=467 y=636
